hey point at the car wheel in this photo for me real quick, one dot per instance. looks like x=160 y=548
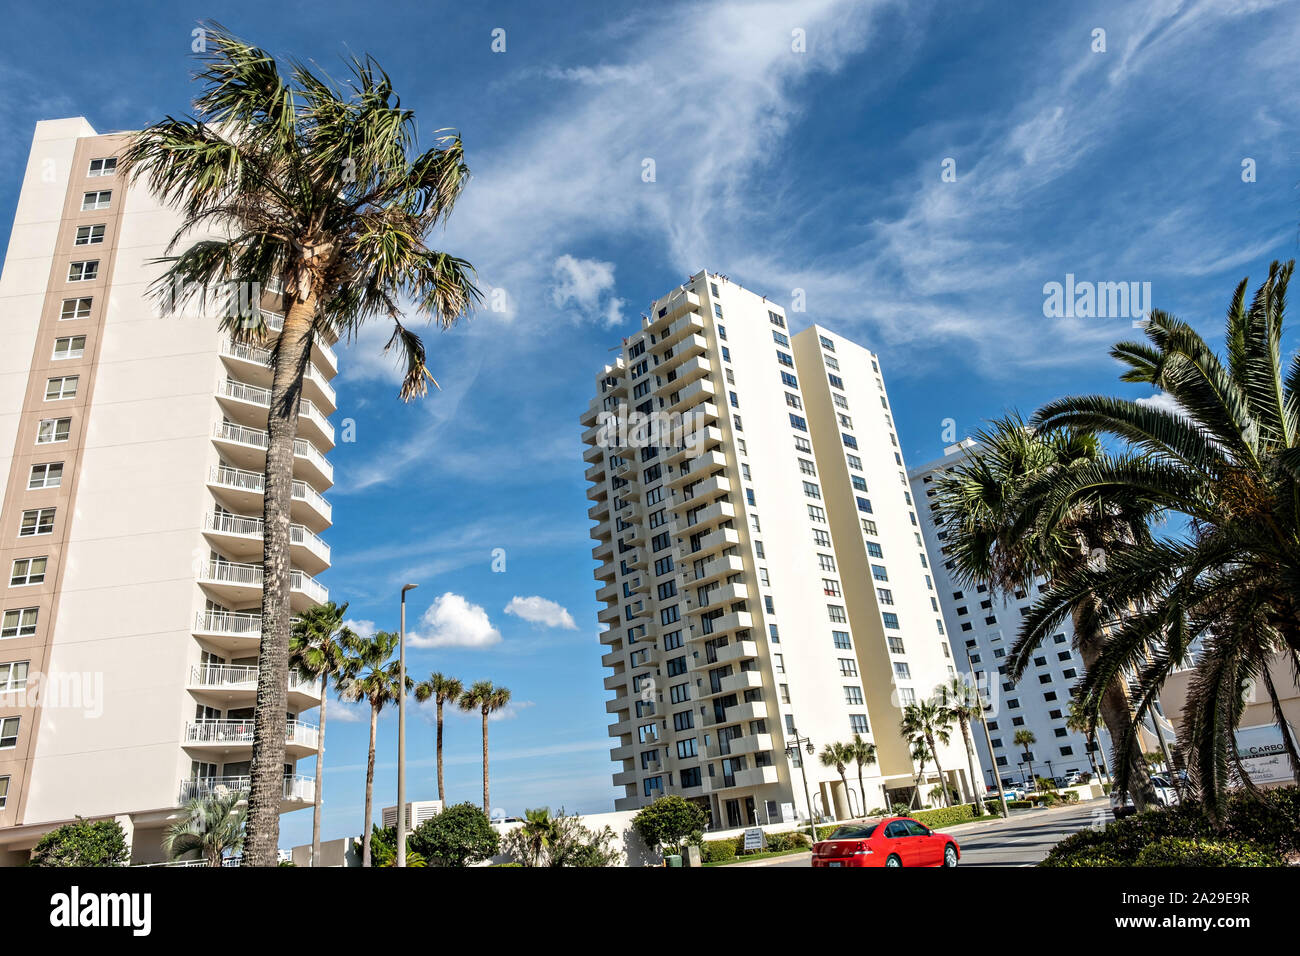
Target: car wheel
x=950 y=855
x=893 y=861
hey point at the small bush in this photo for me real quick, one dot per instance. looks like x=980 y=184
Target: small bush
x=717 y=851
x=1180 y=851
x=944 y=817
x=84 y=843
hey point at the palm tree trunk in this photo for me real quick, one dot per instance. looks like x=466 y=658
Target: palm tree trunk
x=486 y=807
x=441 y=791
x=848 y=801
x=1116 y=714
x=320 y=777
x=943 y=784
x=862 y=789
x=266 y=772
x=976 y=797
x=370 y=789
x=916 y=791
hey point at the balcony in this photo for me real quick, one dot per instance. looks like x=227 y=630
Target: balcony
x=738 y=746
x=752 y=777
x=298 y=790
x=711 y=628
x=241 y=537
x=679 y=305
x=694 y=393
x=704 y=491
x=234 y=632
x=709 y=517
x=722 y=596
x=239 y=583
x=710 y=571
x=735 y=652
x=251 y=403
x=740 y=682
x=242 y=491
x=709 y=545
x=705 y=436
x=692 y=470
x=246 y=448
x=690 y=346
x=692 y=370
x=230 y=683
x=691 y=324
x=234 y=735
x=616 y=681
x=625 y=778
x=253 y=365
x=736 y=714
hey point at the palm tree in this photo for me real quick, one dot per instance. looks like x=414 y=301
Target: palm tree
x=959 y=698
x=316 y=653
x=371 y=674
x=1009 y=530
x=539 y=832
x=839 y=756
x=1024 y=739
x=213 y=826
x=1079 y=721
x=863 y=752
x=443 y=690
x=921 y=755
x=320 y=188
x=929 y=721
x=486 y=699
x=1226 y=458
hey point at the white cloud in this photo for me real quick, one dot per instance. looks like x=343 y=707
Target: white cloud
x=452 y=621
x=538 y=610
x=363 y=628
x=1163 y=401
x=584 y=285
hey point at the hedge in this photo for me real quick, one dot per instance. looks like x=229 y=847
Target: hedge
x=717 y=851
x=1180 y=851
x=1268 y=819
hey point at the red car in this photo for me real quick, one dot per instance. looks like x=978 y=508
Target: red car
x=893 y=841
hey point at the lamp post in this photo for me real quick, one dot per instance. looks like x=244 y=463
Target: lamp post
x=401 y=731
x=792 y=751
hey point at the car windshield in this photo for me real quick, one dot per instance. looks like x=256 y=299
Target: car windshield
x=857 y=831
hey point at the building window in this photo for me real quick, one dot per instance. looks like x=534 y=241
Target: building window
x=826 y=562
x=842 y=641
x=827 y=344
x=896 y=645
x=69 y=347
x=75 y=308
x=890 y=619
x=37 y=521
x=13 y=677
x=798 y=422
x=9 y=733
x=879 y=573
x=821 y=538
x=19 y=622
x=96 y=199
x=830 y=587
x=784 y=358
x=89 y=236
x=849 y=440
x=47 y=475
x=848 y=667
x=4 y=792
x=816 y=513
x=885 y=595
x=858 y=724
x=27 y=571
x=686 y=748
x=790 y=380
x=902 y=671
x=102 y=167
x=690 y=777
x=83 y=271
x=57 y=389
x=906 y=696
x=875 y=550
x=852 y=694
x=836 y=613
x=811 y=490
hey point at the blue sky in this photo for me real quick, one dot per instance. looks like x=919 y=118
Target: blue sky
x=818 y=170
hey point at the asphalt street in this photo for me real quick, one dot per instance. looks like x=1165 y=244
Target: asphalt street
x=1023 y=840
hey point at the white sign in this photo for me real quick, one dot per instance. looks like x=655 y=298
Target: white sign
x=1263 y=754
x=754 y=839
x=787 y=812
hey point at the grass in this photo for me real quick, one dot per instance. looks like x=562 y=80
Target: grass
x=760 y=856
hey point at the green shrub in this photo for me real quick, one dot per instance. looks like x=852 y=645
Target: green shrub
x=944 y=817
x=1180 y=851
x=84 y=843
x=779 y=842
x=458 y=836
x=671 y=823
x=717 y=851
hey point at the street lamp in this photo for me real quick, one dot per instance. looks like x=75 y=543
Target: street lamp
x=791 y=752
x=401 y=732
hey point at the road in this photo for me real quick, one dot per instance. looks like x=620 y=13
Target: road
x=1023 y=840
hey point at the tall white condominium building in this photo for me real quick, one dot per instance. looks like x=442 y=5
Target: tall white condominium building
x=131 y=529
x=986 y=625
x=765 y=580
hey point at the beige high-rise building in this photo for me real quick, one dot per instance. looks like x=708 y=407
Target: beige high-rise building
x=131 y=527
x=761 y=563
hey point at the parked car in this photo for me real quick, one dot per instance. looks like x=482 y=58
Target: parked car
x=1121 y=804
x=1075 y=777
x=1014 y=793
x=893 y=841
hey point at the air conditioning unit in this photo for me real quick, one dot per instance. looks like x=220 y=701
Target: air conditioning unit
x=417 y=811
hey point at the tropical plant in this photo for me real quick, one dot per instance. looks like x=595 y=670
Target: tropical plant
x=83 y=843
x=1024 y=739
x=1008 y=529
x=486 y=699
x=863 y=753
x=562 y=840
x=1219 y=453
x=1080 y=721
x=960 y=699
x=321 y=189
x=921 y=755
x=442 y=690
x=671 y=823
x=316 y=653
x=211 y=827
x=383 y=848
x=458 y=836
x=839 y=756
x=928 y=720
x=533 y=839
x=370 y=673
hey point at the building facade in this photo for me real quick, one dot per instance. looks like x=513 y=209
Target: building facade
x=760 y=560
x=134 y=444
x=984 y=625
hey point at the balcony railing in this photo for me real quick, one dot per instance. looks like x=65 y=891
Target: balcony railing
x=227 y=523
x=239 y=675
x=241 y=732
x=261 y=356
x=257 y=395
x=296 y=787
x=250 y=575
x=257 y=438
x=237 y=623
x=252 y=481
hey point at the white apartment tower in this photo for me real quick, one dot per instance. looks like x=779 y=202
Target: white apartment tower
x=765 y=579
x=131 y=526
x=985 y=626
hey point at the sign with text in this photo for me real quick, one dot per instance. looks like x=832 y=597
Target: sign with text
x=1263 y=754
